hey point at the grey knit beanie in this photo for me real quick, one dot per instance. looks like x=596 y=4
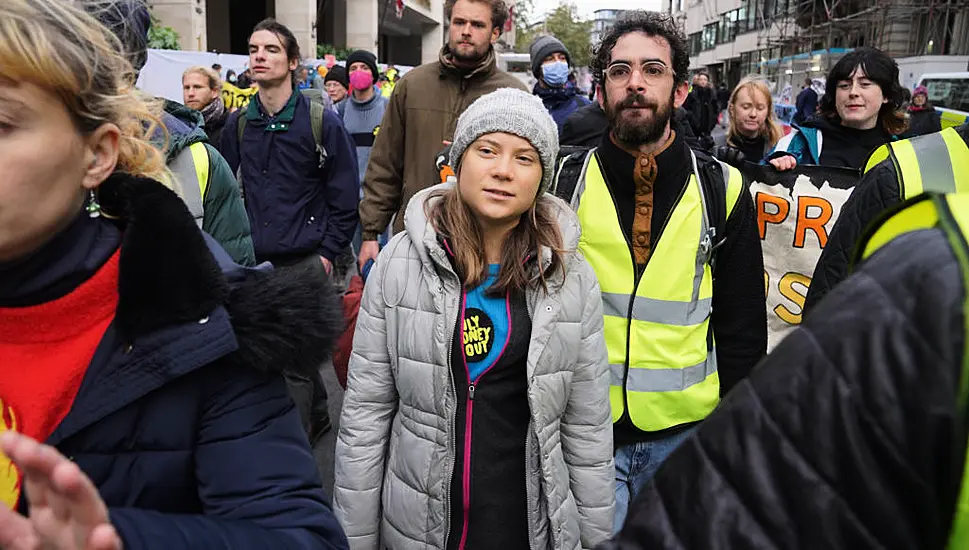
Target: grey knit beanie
x=511 y=111
x=542 y=47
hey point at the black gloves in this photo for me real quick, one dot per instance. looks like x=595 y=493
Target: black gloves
x=729 y=155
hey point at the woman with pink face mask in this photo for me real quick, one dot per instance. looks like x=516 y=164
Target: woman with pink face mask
x=366 y=107
x=363 y=110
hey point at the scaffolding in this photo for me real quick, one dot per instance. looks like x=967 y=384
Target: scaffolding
x=899 y=27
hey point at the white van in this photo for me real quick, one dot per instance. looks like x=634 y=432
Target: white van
x=949 y=93
x=519 y=65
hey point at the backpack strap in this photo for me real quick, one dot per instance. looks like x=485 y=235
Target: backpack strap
x=240 y=129
x=570 y=169
x=316 y=122
x=721 y=185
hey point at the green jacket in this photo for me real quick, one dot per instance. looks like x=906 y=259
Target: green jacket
x=224 y=217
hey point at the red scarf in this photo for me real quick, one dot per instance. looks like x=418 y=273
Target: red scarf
x=45 y=351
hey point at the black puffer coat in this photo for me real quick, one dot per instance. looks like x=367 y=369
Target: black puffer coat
x=877 y=191
x=843 y=438
x=923 y=121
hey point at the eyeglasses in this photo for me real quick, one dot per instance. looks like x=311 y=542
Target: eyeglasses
x=653 y=72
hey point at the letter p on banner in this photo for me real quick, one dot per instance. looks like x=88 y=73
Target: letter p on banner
x=796 y=211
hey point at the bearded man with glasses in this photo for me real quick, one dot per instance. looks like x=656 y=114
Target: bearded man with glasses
x=672 y=236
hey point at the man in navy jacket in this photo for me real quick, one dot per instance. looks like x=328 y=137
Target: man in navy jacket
x=301 y=196
x=296 y=206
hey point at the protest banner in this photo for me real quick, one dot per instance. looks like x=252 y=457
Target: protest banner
x=236 y=98
x=796 y=211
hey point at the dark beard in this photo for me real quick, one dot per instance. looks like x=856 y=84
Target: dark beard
x=639 y=132
x=466 y=60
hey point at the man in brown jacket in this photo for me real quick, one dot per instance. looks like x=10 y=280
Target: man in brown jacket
x=423 y=111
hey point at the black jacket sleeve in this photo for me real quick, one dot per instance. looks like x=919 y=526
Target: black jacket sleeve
x=739 y=299
x=876 y=192
x=842 y=438
x=584 y=127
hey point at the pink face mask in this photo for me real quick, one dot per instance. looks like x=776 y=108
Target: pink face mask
x=361 y=80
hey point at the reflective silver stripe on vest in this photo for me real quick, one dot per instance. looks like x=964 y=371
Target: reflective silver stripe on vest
x=652 y=310
x=187 y=184
x=653 y=380
x=669 y=312
x=934 y=163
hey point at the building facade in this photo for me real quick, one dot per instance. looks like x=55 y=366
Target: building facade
x=224 y=25
x=788 y=40
x=602 y=21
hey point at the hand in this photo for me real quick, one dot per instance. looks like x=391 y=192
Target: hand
x=327 y=265
x=66 y=511
x=784 y=163
x=731 y=156
x=368 y=251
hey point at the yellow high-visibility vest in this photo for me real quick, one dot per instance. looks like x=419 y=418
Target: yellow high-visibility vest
x=950 y=213
x=937 y=162
x=191 y=170
x=661 y=354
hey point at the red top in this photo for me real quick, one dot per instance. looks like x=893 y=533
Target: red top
x=44 y=352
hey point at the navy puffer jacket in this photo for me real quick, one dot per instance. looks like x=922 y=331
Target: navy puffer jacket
x=183 y=420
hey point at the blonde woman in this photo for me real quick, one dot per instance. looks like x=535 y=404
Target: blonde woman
x=128 y=342
x=477 y=407
x=753 y=129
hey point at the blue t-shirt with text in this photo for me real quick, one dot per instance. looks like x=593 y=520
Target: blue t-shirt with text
x=485 y=326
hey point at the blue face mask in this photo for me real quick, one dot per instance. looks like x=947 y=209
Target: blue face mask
x=555 y=73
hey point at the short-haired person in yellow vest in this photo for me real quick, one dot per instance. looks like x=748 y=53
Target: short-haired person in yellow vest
x=900 y=170
x=852 y=434
x=656 y=216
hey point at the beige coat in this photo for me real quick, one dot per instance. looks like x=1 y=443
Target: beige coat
x=420 y=117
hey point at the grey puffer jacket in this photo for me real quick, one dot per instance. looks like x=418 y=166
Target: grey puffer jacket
x=395 y=451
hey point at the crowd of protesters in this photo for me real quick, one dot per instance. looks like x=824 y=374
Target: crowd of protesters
x=562 y=344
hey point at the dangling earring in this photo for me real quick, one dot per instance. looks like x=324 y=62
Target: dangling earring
x=93 y=208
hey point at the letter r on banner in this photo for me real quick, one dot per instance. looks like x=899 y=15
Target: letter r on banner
x=804 y=223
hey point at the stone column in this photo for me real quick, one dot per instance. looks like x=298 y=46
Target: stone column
x=433 y=37
x=299 y=16
x=431 y=43
x=187 y=17
x=363 y=17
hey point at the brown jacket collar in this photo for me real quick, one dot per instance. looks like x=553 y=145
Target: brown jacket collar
x=486 y=67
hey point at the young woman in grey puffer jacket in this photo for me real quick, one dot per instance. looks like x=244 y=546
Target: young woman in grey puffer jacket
x=477 y=412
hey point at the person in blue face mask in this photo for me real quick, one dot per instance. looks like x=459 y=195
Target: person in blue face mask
x=551 y=65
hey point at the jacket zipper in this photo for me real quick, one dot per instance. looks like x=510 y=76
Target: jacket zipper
x=469 y=411
x=528 y=454
x=451 y=422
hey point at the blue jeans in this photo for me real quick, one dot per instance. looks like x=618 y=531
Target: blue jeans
x=635 y=466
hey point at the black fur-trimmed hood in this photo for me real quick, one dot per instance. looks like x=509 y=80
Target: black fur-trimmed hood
x=284 y=319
